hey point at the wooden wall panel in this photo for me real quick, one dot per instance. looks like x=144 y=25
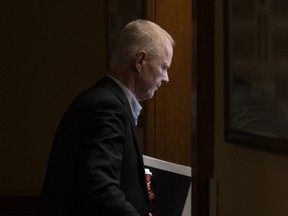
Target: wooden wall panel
x=169 y=115
x=150 y=105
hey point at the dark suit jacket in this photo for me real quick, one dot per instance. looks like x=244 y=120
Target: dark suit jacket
x=95 y=166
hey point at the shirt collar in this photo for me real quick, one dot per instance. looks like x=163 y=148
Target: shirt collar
x=133 y=102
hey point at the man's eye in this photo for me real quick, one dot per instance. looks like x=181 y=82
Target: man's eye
x=165 y=68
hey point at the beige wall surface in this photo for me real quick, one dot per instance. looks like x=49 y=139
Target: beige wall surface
x=251 y=181
x=50 y=51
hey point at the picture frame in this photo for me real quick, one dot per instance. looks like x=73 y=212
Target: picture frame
x=256 y=73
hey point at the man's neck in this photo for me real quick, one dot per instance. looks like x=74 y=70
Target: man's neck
x=125 y=77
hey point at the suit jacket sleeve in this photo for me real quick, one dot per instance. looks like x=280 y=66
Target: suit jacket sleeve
x=103 y=141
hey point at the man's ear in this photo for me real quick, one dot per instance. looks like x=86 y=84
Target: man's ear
x=140 y=57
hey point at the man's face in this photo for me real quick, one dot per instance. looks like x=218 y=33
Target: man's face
x=154 y=72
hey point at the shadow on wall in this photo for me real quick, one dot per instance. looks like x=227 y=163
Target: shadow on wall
x=50 y=51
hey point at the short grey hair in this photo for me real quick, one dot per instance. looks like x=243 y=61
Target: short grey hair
x=136 y=36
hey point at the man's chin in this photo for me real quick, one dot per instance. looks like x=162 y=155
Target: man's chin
x=151 y=94
x=147 y=96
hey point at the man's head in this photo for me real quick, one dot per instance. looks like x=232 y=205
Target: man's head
x=145 y=50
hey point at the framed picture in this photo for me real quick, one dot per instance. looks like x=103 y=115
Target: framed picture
x=256 y=73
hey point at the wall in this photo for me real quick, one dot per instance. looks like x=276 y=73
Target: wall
x=50 y=51
x=251 y=181
x=168 y=114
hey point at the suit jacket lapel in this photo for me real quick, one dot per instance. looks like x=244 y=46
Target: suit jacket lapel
x=117 y=90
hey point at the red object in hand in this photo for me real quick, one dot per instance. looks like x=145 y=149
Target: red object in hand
x=148 y=175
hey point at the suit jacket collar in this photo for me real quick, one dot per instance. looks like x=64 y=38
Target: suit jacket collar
x=117 y=90
x=109 y=83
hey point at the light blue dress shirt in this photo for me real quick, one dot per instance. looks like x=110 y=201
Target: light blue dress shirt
x=134 y=104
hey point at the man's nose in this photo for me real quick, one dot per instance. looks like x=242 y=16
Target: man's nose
x=166 y=78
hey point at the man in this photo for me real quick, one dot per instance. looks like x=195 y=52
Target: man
x=95 y=166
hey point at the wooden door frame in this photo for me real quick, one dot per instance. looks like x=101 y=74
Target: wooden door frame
x=203 y=104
